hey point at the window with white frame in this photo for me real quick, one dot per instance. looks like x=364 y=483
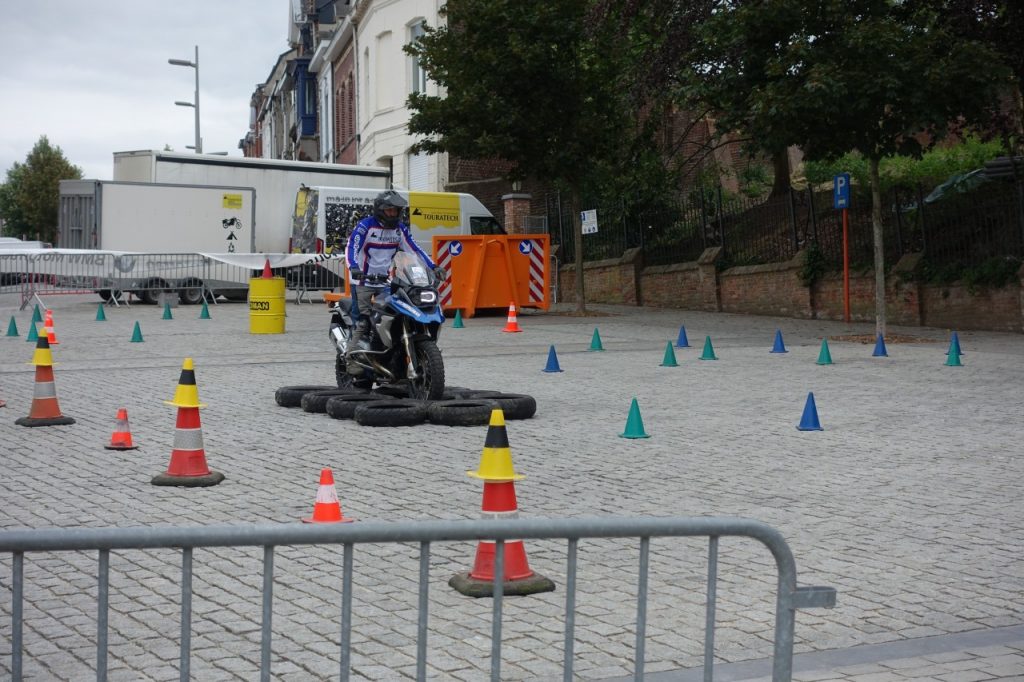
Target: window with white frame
x=419 y=74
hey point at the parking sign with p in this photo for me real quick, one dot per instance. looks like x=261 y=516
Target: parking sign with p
x=841 y=191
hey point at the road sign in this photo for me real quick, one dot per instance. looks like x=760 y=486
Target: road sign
x=589 y=219
x=841 y=191
x=455 y=248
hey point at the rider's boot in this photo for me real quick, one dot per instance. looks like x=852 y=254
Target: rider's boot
x=353 y=344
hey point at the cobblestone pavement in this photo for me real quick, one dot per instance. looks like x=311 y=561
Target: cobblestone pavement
x=908 y=503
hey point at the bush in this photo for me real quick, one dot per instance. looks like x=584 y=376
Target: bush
x=904 y=171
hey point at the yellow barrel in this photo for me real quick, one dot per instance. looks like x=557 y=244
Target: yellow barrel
x=266 y=305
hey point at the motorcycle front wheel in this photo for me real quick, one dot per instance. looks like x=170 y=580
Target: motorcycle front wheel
x=430 y=385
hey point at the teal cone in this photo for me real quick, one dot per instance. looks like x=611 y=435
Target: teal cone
x=670 y=356
x=634 y=423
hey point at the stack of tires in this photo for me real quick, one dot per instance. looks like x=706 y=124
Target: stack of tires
x=390 y=407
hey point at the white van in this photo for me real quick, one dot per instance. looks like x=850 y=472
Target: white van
x=324 y=217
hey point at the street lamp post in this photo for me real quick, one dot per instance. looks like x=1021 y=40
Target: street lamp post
x=195 y=65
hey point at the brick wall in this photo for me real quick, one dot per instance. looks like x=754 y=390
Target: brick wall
x=776 y=289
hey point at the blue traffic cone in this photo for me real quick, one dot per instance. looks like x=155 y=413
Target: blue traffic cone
x=954 y=345
x=682 y=342
x=809 y=420
x=457 y=322
x=779 y=346
x=204 y=314
x=552 y=365
x=12 y=328
x=880 y=351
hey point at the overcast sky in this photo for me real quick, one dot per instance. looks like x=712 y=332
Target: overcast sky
x=92 y=75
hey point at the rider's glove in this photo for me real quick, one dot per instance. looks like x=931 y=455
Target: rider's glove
x=440 y=274
x=357 y=274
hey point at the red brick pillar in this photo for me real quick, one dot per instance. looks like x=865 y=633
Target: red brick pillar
x=517 y=207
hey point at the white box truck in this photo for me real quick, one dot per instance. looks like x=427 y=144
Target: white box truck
x=275 y=182
x=176 y=221
x=324 y=217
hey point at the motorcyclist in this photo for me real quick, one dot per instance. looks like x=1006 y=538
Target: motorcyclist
x=371 y=246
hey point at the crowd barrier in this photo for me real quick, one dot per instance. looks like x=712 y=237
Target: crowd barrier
x=192 y=277
x=788 y=596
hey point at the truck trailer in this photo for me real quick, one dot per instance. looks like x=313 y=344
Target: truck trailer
x=275 y=182
x=178 y=221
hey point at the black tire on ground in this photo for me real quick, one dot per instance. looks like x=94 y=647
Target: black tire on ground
x=151 y=294
x=344 y=406
x=514 y=405
x=391 y=413
x=291 y=396
x=456 y=392
x=469 y=412
x=393 y=390
x=191 y=292
x=316 y=401
x=431 y=367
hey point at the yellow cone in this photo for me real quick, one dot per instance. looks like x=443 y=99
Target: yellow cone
x=187 y=393
x=42 y=357
x=496 y=459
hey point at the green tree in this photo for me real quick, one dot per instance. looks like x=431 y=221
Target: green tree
x=535 y=85
x=29 y=198
x=881 y=77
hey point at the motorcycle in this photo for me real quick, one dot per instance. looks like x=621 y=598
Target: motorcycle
x=400 y=348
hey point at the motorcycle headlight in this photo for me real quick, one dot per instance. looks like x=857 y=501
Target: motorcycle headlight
x=427 y=297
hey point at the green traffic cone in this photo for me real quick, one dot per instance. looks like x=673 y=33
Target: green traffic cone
x=137 y=334
x=457 y=323
x=670 y=357
x=709 y=351
x=12 y=328
x=33 y=332
x=595 y=342
x=824 y=357
x=953 y=360
x=167 y=312
x=205 y=313
x=36 y=315
x=101 y=315
x=634 y=423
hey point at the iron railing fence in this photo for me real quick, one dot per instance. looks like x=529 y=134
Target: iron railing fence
x=788 y=596
x=965 y=230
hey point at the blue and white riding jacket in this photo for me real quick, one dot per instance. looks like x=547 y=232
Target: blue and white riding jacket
x=371 y=246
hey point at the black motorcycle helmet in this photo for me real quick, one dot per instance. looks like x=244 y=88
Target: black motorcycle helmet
x=385 y=200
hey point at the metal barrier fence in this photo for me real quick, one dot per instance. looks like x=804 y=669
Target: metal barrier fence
x=192 y=277
x=788 y=598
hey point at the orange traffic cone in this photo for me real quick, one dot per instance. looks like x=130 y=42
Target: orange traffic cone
x=326 y=509
x=45 y=410
x=51 y=337
x=513 y=324
x=188 y=458
x=499 y=501
x=121 y=439
x=267 y=272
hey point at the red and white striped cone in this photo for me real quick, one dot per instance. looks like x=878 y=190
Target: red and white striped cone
x=45 y=410
x=121 y=439
x=499 y=502
x=188 y=457
x=513 y=322
x=327 y=508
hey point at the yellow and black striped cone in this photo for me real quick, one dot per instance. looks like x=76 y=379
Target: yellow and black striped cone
x=499 y=501
x=188 y=467
x=187 y=393
x=45 y=410
x=496 y=459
